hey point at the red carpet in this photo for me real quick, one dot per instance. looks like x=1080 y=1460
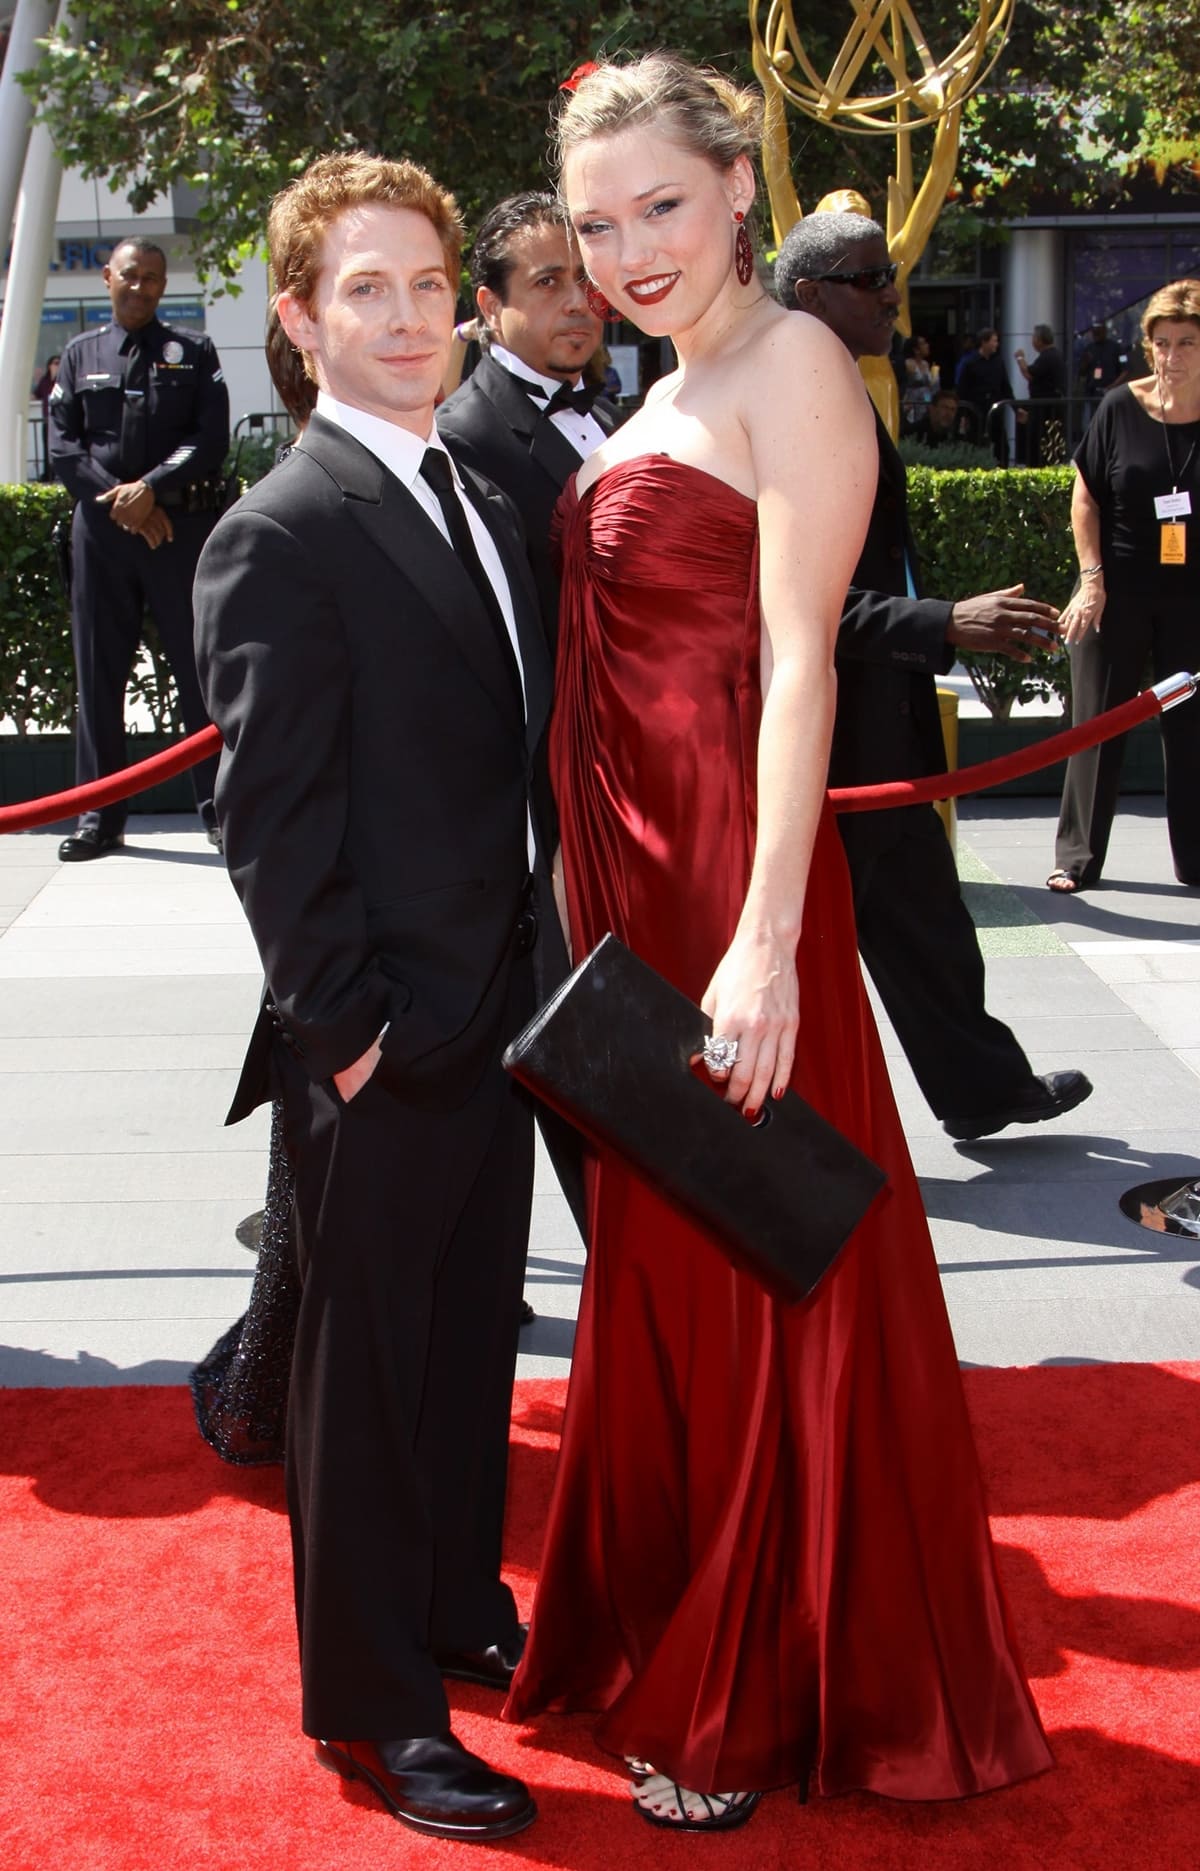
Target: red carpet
x=150 y=1689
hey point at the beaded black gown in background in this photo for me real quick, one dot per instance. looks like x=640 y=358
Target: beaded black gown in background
x=240 y=1390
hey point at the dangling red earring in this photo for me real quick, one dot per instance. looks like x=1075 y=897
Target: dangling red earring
x=597 y=303
x=743 y=252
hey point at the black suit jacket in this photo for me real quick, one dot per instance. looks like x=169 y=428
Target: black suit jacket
x=376 y=770
x=890 y=649
x=497 y=428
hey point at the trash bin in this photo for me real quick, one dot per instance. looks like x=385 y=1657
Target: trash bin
x=947 y=808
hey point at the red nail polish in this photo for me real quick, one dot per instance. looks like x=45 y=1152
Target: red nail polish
x=749 y=1112
x=778 y=1093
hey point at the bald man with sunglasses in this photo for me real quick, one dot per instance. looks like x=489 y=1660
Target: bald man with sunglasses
x=914 y=930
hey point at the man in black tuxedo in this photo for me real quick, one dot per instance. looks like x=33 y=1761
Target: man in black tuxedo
x=914 y=930
x=524 y=417
x=369 y=644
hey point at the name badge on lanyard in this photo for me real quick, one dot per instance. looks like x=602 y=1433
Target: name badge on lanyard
x=1172 y=506
x=1173 y=546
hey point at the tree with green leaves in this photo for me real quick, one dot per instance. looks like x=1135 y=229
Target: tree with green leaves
x=1088 y=97
x=234 y=97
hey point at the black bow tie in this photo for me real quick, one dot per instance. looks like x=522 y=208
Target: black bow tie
x=564 y=397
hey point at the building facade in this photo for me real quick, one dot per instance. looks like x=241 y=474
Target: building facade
x=1064 y=267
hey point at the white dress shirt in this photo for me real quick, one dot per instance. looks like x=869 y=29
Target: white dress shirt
x=402 y=453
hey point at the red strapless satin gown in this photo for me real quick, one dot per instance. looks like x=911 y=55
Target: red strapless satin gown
x=767 y=1551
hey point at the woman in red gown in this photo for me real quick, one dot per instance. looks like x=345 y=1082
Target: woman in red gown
x=767 y=1555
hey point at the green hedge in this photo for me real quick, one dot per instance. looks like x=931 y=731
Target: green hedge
x=984 y=530
x=976 y=531
x=37 y=672
x=37 y=668
x=916 y=454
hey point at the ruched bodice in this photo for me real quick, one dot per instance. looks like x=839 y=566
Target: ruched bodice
x=659 y=700
x=622 y=512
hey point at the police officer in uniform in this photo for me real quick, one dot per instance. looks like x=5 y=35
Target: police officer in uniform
x=140 y=428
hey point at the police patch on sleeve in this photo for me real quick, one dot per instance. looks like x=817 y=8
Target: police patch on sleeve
x=172 y=351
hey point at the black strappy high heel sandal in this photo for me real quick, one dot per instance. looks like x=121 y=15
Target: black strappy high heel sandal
x=722 y=1811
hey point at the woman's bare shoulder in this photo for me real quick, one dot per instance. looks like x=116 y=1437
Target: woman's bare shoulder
x=798 y=337
x=792 y=360
x=796 y=369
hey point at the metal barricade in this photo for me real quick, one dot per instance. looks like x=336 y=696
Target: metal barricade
x=1037 y=431
x=256 y=439
x=263 y=422
x=37 y=442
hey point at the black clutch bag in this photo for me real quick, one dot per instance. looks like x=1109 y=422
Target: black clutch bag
x=611 y=1051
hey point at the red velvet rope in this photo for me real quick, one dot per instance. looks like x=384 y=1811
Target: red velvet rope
x=113 y=786
x=184 y=754
x=1005 y=767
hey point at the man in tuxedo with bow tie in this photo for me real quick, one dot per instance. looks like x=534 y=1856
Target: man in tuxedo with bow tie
x=369 y=645
x=524 y=417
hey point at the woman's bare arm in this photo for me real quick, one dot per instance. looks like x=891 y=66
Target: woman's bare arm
x=815 y=460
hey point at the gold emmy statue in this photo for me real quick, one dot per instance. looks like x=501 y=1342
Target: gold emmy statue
x=881 y=43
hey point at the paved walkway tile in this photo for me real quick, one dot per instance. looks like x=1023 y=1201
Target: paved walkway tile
x=127 y=989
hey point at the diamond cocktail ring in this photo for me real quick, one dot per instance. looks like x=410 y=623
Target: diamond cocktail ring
x=720 y=1054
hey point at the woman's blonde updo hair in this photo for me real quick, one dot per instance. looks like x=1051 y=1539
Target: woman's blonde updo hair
x=701 y=110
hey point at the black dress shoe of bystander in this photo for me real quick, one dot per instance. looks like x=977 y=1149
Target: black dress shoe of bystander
x=493 y=1667
x=87 y=843
x=435 y=1786
x=1049 y=1096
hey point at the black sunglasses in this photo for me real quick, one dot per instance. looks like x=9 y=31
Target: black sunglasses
x=870 y=278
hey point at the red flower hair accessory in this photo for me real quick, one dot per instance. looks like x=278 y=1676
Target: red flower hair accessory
x=578 y=75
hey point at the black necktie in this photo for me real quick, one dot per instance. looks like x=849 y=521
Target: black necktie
x=436 y=471
x=133 y=411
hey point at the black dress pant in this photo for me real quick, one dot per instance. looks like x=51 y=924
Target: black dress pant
x=917 y=939
x=411 y=1228
x=115 y=578
x=1145 y=624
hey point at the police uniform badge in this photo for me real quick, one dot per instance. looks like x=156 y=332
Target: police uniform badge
x=172 y=352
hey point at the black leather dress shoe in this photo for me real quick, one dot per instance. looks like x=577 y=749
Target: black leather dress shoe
x=1043 y=1098
x=492 y=1667
x=88 y=843
x=433 y=1785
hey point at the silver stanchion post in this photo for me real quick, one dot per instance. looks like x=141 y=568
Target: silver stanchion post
x=1165 y=1206
x=1176 y=689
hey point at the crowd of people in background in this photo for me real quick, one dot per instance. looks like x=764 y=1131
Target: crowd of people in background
x=1038 y=428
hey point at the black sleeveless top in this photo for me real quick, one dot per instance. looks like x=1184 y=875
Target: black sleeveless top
x=1123 y=460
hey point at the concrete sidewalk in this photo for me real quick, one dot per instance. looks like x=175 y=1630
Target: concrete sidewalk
x=127 y=989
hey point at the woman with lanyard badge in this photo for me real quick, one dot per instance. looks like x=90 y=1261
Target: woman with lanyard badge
x=1135 y=515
